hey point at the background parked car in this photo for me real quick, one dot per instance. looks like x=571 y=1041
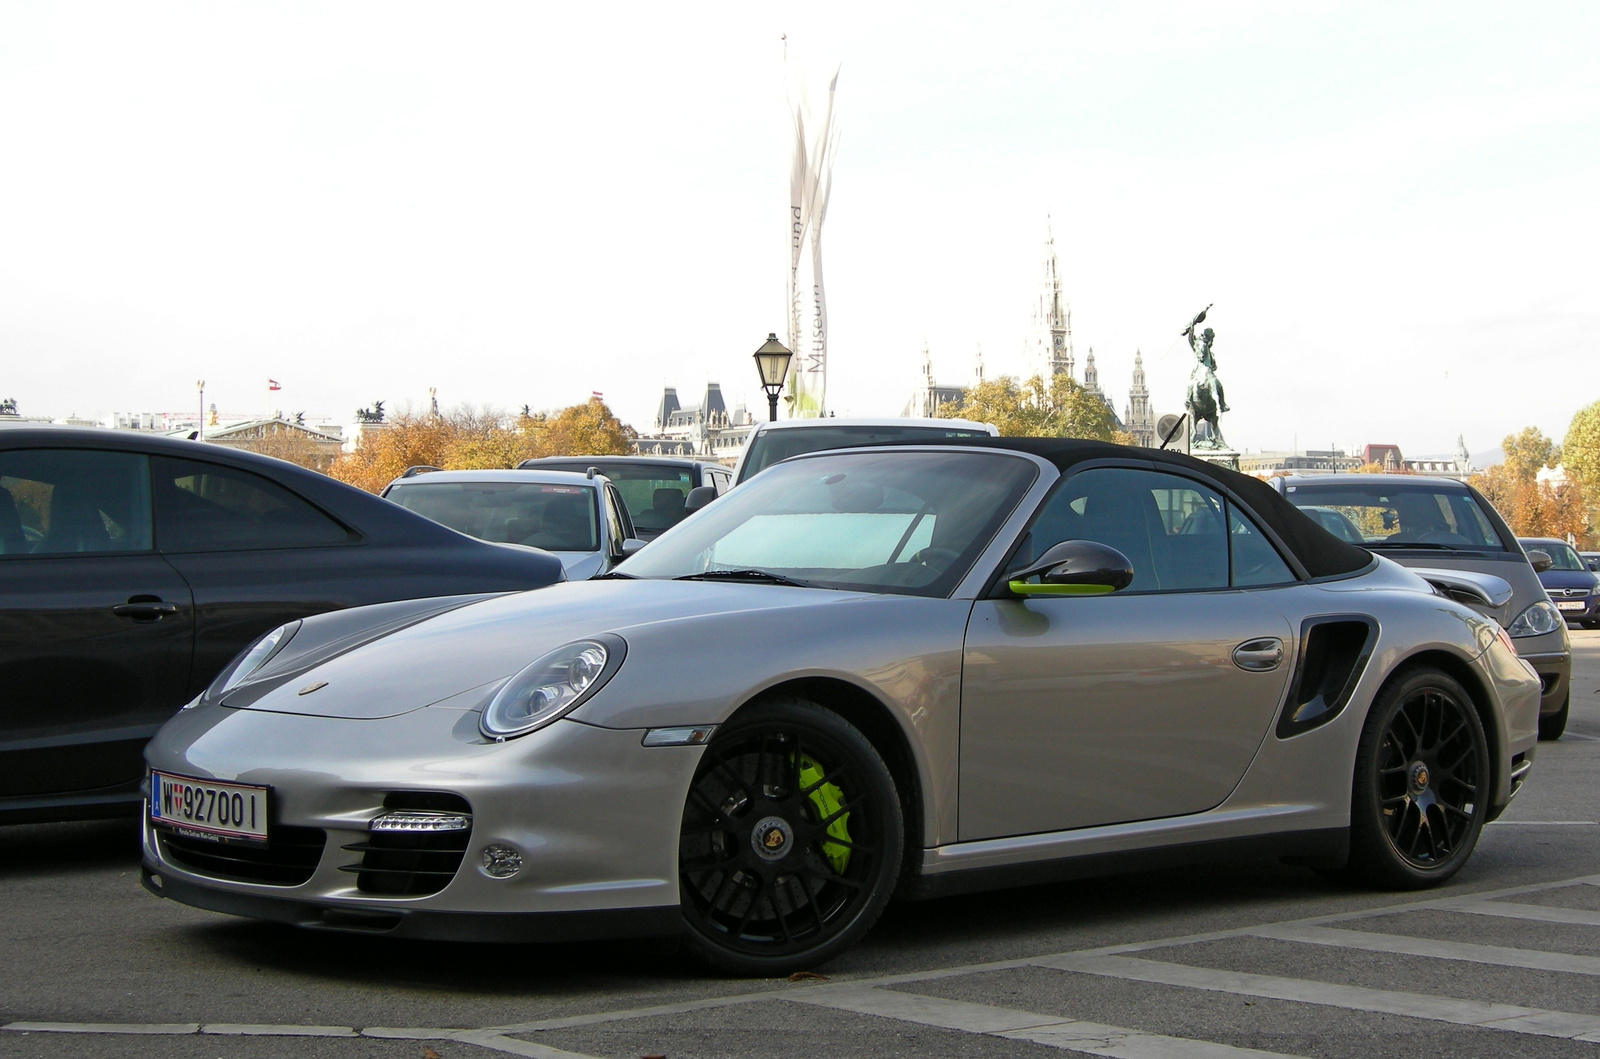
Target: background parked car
x=1439 y=523
x=1591 y=560
x=1572 y=588
x=578 y=518
x=654 y=489
x=771 y=442
x=134 y=567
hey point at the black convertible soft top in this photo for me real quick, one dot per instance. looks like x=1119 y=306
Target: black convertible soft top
x=1320 y=552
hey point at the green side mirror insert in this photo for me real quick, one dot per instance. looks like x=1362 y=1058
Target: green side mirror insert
x=1025 y=588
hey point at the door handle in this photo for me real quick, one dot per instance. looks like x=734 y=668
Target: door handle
x=145 y=609
x=1259 y=656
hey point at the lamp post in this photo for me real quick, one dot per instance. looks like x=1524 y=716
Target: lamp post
x=772 y=363
x=200 y=384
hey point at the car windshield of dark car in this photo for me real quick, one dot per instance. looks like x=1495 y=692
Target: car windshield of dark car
x=900 y=522
x=557 y=518
x=777 y=445
x=1386 y=513
x=1561 y=556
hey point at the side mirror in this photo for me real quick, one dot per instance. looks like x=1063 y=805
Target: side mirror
x=1075 y=568
x=631 y=546
x=699 y=497
x=1541 y=561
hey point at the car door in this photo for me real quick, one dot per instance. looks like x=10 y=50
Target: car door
x=96 y=628
x=255 y=553
x=1078 y=711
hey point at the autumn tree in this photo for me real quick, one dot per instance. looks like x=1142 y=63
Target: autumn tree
x=1528 y=450
x=1060 y=408
x=1530 y=507
x=479 y=439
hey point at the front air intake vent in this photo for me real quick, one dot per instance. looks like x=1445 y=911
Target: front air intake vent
x=1333 y=654
x=413 y=848
x=288 y=858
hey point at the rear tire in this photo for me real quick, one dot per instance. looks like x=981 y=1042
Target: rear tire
x=1421 y=790
x=1552 y=725
x=791 y=843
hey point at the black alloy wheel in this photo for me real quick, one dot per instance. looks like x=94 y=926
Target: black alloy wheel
x=791 y=842
x=1422 y=782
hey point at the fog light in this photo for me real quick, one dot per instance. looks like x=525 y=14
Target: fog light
x=414 y=820
x=501 y=862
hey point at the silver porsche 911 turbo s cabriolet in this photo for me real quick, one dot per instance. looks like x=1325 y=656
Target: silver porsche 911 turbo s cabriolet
x=903 y=670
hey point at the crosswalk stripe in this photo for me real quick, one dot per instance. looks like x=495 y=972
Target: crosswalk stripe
x=1092 y=1038
x=1536 y=1021
x=1572 y=917
x=1402 y=945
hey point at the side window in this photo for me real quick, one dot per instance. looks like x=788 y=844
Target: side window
x=1171 y=529
x=206 y=507
x=64 y=501
x=720 y=479
x=1255 y=560
x=617 y=515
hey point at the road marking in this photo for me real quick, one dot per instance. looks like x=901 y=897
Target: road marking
x=1535 y=1021
x=224 y=1029
x=1573 y=917
x=1076 y=1035
x=166 y=1028
x=1545 y=823
x=1401 y=945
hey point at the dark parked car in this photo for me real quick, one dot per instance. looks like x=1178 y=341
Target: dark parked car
x=654 y=488
x=1572 y=588
x=133 y=568
x=1438 y=526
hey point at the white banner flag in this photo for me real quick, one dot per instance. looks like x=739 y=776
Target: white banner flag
x=816 y=142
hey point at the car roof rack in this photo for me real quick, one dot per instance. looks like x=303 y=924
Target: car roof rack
x=421 y=468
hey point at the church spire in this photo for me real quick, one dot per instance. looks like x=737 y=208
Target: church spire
x=1141 y=422
x=1053 y=317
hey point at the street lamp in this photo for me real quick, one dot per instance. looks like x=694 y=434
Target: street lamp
x=772 y=363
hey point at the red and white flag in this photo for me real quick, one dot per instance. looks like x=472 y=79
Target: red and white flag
x=272 y=384
x=596 y=395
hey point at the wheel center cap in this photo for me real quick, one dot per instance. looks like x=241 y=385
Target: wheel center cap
x=1419 y=777
x=771 y=837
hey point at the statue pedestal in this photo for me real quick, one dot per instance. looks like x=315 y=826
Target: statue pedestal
x=1228 y=458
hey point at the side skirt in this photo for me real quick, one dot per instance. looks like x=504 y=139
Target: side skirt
x=1323 y=847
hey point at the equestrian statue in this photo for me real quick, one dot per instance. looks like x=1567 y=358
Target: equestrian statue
x=1205 y=400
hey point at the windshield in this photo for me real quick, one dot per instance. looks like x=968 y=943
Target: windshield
x=774 y=446
x=902 y=522
x=1381 y=512
x=558 y=518
x=1562 y=557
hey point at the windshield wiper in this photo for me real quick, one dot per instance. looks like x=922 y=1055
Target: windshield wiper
x=766 y=577
x=1433 y=545
x=616 y=575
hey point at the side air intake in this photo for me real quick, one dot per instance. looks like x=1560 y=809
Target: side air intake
x=1333 y=654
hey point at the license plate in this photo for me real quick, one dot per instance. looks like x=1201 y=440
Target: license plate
x=1576 y=604
x=226 y=810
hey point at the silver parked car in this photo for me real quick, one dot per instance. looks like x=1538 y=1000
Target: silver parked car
x=913 y=670
x=1438 y=526
x=579 y=518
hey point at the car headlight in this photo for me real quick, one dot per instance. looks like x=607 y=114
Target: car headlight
x=1537 y=620
x=253 y=658
x=552 y=686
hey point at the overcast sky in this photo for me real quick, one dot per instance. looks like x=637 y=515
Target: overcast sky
x=1394 y=207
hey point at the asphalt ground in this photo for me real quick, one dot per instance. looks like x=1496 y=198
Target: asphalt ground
x=1222 y=962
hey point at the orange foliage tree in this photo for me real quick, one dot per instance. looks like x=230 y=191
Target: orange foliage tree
x=1533 y=508
x=469 y=439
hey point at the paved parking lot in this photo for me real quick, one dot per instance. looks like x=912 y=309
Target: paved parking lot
x=1244 y=960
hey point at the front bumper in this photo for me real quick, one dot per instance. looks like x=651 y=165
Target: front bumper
x=594 y=814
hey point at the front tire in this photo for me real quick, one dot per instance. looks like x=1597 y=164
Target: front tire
x=791 y=842
x=1552 y=725
x=1421 y=788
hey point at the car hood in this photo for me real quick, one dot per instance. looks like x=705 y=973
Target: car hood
x=460 y=658
x=1567 y=579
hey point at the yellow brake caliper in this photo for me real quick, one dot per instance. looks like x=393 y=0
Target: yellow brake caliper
x=827 y=799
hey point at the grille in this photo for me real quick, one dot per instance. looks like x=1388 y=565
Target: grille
x=288 y=859
x=412 y=864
